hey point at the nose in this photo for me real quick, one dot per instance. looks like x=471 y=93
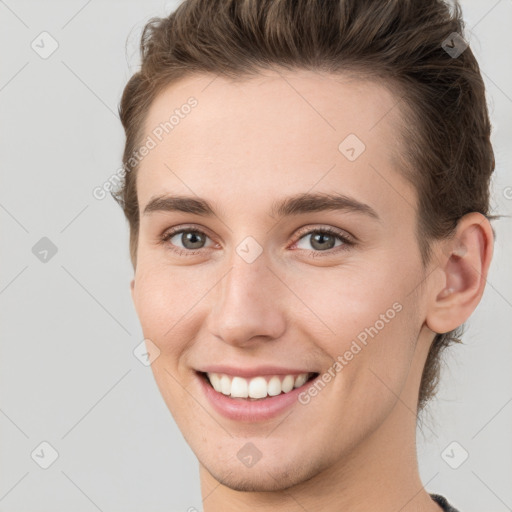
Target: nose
x=247 y=304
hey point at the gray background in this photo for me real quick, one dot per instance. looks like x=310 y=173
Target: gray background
x=68 y=327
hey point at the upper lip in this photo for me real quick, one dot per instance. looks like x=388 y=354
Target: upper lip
x=252 y=372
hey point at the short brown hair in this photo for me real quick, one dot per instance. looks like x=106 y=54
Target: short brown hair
x=447 y=154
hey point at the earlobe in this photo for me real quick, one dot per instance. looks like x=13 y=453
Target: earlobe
x=465 y=263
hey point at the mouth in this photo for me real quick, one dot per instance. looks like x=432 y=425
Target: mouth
x=257 y=388
x=257 y=398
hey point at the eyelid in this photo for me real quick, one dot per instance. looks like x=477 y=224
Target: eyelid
x=347 y=238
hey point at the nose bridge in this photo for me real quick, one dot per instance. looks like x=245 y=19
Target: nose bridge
x=246 y=302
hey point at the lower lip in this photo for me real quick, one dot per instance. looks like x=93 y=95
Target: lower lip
x=240 y=409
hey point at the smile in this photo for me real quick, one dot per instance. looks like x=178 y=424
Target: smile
x=248 y=408
x=256 y=388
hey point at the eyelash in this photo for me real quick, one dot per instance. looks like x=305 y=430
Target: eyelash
x=347 y=241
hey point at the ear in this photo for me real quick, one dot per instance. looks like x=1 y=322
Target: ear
x=465 y=261
x=132 y=286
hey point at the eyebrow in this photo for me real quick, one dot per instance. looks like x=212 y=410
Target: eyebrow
x=289 y=206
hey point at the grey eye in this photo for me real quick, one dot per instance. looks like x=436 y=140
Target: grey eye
x=320 y=240
x=190 y=239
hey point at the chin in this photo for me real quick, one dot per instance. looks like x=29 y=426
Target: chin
x=263 y=477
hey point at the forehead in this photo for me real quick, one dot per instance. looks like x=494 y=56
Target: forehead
x=274 y=132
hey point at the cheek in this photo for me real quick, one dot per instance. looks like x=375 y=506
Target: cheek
x=367 y=320
x=343 y=301
x=166 y=302
x=170 y=303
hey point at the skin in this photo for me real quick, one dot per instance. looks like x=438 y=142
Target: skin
x=245 y=145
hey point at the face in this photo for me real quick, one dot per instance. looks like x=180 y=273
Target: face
x=267 y=284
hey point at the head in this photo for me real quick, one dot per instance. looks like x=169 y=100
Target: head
x=273 y=99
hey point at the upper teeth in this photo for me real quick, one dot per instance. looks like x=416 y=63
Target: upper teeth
x=257 y=387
